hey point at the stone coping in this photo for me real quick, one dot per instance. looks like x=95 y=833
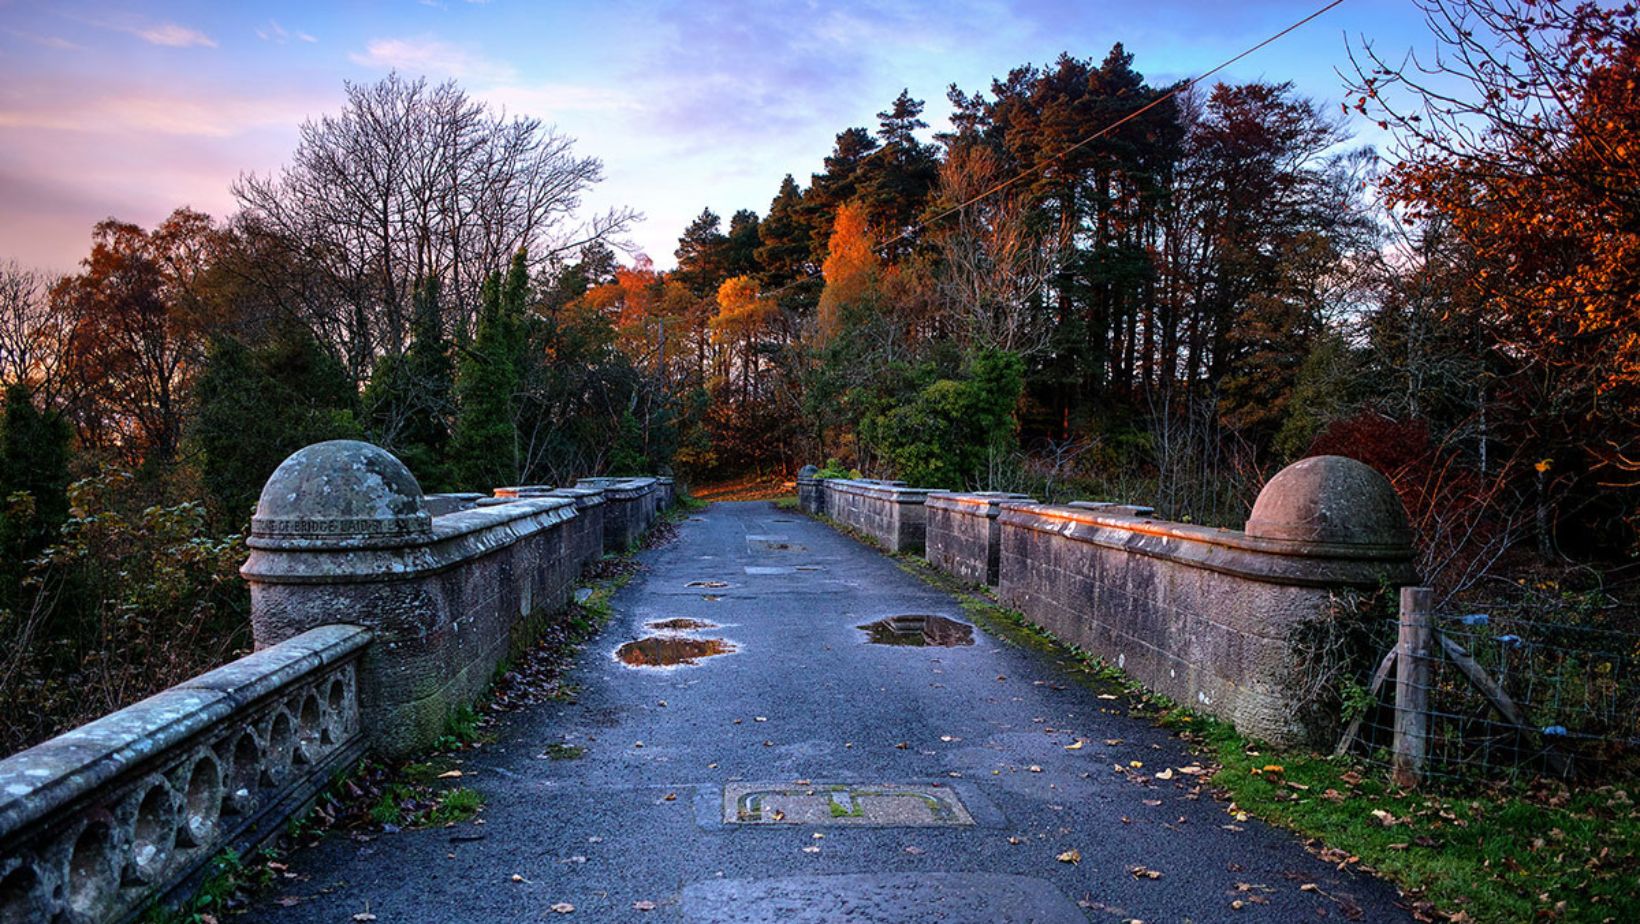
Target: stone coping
x=47 y=777
x=456 y=538
x=1112 y=508
x=976 y=503
x=895 y=491
x=524 y=490
x=620 y=488
x=1309 y=564
x=450 y=501
x=583 y=497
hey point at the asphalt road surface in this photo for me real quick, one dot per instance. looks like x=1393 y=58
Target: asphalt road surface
x=812 y=773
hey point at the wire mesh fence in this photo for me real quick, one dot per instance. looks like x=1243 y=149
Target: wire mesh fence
x=1493 y=692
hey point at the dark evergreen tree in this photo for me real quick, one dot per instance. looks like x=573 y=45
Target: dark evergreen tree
x=784 y=241
x=409 y=402
x=896 y=182
x=484 y=446
x=700 y=255
x=253 y=406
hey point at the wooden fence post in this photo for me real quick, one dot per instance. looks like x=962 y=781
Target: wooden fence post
x=1412 y=679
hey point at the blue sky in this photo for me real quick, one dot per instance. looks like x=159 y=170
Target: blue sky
x=133 y=109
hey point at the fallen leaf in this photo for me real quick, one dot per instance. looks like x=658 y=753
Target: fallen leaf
x=364 y=917
x=914 y=851
x=1165 y=775
x=1070 y=856
x=563 y=908
x=1076 y=745
x=1144 y=872
x=518 y=878
x=450 y=775
x=811 y=849
x=1034 y=768
x=670 y=797
x=643 y=905
x=1015 y=840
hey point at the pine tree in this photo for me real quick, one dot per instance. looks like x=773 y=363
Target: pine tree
x=34 y=455
x=256 y=405
x=408 y=402
x=783 y=239
x=484 y=446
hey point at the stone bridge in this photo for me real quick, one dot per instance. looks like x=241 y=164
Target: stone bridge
x=781 y=723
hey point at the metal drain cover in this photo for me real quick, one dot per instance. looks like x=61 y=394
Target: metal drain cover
x=911 y=805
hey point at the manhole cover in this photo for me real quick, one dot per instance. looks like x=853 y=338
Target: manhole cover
x=918 y=631
x=862 y=804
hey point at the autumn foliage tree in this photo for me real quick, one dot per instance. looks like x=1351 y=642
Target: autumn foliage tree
x=1523 y=140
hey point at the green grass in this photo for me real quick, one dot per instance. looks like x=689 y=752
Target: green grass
x=561 y=751
x=455 y=805
x=1499 y=854
x=1511 y=852
x=461 y=728
x=789 y=502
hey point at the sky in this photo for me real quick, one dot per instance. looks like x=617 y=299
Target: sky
x=130 y=110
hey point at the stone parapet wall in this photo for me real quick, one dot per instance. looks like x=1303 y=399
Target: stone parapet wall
x=1208 y=617
x=963 y=537
x=376 y=611
x=1226 y=621
x=445 y=606
x=99 y=822
x=887 y=511
x=631 y=506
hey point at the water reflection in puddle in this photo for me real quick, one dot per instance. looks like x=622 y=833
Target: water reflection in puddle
x=919 y=631
x=671 y=650
x=681 y=625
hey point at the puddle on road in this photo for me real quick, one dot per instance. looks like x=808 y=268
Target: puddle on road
x=681 y=624
x=671 y=650
x=919 y=631
x=707 y=584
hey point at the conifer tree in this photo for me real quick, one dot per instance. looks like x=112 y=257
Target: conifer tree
x=408 y=402
x=253 y=406
x=484 y=446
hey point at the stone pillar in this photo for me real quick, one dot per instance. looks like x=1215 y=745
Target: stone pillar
x=811 y=490
x=963 y=536
x=342 y=534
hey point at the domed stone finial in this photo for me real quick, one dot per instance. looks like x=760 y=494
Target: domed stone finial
x=807 y=471
x=339 y=493
x=1331 y=499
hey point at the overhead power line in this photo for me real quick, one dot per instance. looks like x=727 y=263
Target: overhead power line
x=1178 y=89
